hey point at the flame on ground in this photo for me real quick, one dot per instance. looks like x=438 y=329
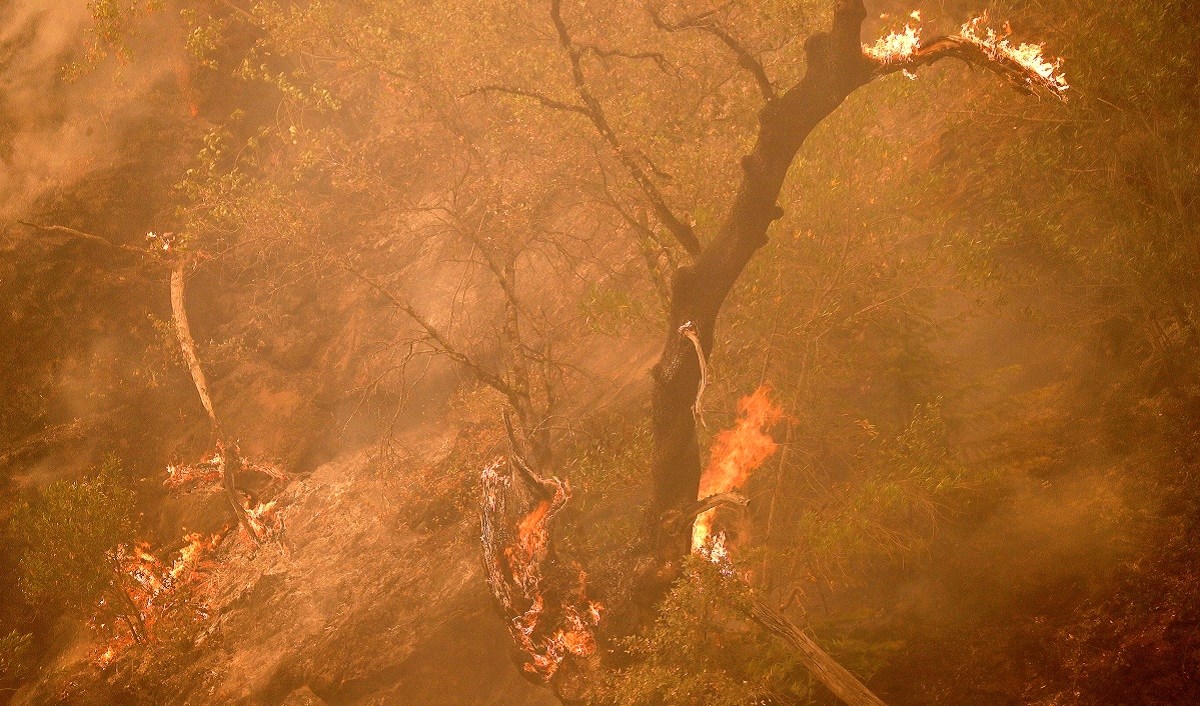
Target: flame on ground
x=206 y=471
x=735 y=454
x=147 y=588
x=264 y=519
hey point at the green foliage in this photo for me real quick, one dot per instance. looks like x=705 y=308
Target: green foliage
x=66 y=538
x=704 y=650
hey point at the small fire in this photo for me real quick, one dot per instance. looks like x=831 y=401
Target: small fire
x=147 y=590
x=1029 y=56
x=898 y=46
x=547 y=633
x=264 y=519
x=1025 y=60
x=206 y=471
x=735 y=454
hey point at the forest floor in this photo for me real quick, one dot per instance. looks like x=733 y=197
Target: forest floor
x=369 y=595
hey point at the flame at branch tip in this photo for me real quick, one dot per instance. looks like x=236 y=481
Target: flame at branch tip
x=735 y=454
x=1025 y=62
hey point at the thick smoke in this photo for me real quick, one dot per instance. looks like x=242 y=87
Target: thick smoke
x=56 y=129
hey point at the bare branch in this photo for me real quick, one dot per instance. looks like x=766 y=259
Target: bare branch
x=546 y=101
x=481 y=373
x=659 y=60
x=834 y=676
x=682 y=231
x=80 y=235
x=706 y=22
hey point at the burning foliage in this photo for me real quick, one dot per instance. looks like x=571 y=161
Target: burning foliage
x=735 y=454
x=1024 y=64
x=550 y=616
x=147 y=589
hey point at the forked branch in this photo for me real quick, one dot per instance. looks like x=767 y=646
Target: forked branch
x=595 y=112
x=706 y=22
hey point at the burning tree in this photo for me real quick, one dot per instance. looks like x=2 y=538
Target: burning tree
x=838 y=63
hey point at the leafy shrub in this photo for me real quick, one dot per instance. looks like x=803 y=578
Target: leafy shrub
x=66 y=537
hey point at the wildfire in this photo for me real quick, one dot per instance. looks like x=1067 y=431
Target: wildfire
x=206 y=471
x=898 y=46
x=146 y=590
x=1024 y=61
x=264 y=519
x=735 y=454
x=548 y=624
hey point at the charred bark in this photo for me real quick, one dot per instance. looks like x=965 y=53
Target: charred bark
x=836 y=67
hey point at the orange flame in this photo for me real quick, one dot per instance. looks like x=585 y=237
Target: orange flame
x=149 y=586
x=735 y=454
x=1029 y=56
x=547 y=633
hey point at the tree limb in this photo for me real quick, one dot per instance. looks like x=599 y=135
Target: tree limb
x=80 y=235
x=834 y=676
x=595 y=112
x=546 y=101
x=481 y=373
x=706 y=22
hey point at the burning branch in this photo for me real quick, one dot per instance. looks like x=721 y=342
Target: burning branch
x=976 y=43
x=544 y=600
x=736 y=453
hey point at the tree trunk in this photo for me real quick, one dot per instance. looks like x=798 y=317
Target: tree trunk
x=836 y=67
x=231 y=460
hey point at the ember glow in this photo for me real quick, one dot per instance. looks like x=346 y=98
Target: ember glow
x=206 y=471
x=735 y=454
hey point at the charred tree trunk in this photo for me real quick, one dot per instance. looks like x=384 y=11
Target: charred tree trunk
x=836 y=67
